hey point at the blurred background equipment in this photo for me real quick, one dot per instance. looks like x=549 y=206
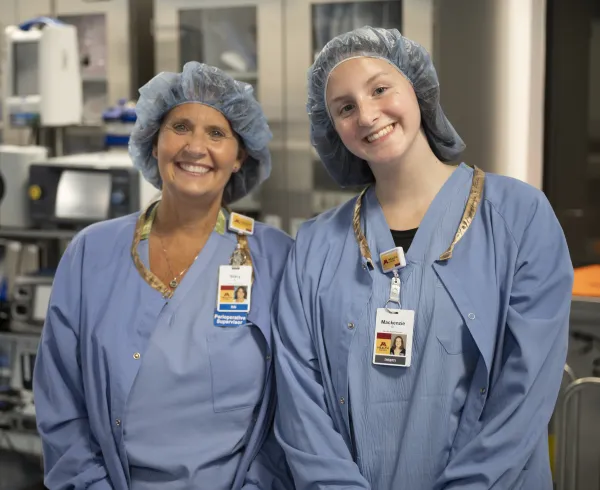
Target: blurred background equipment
x=77 y=190
x=42 y=79
x=14 y=176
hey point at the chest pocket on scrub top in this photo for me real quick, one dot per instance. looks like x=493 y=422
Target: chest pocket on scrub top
x=450 y=328
x=237 y=357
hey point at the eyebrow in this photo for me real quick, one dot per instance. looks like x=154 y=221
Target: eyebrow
x=179 y=119
x=368 y=82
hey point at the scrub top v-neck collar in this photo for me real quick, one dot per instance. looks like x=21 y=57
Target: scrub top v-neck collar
x=140 y=254
x=378 y=233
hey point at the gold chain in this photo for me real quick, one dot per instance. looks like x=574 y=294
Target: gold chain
x=475 y=195
x=175 y=281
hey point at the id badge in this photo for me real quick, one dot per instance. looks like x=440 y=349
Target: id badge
x=393 y=337
x=234 y=289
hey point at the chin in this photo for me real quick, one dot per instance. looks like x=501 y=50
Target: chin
x=388 y=154
x=196 y=192
x=386 y=158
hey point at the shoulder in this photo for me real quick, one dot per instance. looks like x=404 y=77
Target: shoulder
x=518 y=204
x=328 y=229
x=271 y=239
x=104 y=240
x=271 y=247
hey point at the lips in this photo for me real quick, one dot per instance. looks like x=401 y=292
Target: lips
x=194 y=168
x=380 y=133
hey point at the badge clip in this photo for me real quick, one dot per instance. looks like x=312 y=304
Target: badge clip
x=238 y=257
x=243 y=225
x=394 y=294
x=392 y=260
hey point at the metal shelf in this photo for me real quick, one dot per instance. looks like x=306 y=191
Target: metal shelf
x=19 y=337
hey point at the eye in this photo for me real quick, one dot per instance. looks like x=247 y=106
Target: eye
x=179 y=127
x=216 y=133
x=379 y=90
x=345 y=109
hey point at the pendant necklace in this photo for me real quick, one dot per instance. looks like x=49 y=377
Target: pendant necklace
x=175 y=281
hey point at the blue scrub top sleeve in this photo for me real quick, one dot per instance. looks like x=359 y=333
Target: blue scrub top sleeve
x=514 y=421
x=315 y=450
x=72 y=458
x=269 y=470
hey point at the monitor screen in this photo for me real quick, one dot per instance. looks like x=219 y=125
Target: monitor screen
x=83 y=195
x=25 y=68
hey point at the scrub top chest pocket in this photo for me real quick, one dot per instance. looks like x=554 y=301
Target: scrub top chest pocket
x=450 y=327
x=238 y=366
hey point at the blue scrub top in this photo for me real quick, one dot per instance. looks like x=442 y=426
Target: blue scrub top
x=383 y=400
x=490 y=339
x=127 y=381
x=196 y=383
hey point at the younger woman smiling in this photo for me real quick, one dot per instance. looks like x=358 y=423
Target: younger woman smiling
x=483 y=295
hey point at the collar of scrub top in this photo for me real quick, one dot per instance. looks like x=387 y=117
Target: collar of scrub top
x=473 y=201
x=142 y=232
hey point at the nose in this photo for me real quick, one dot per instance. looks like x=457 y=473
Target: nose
x=196 y=147
x=368 y=113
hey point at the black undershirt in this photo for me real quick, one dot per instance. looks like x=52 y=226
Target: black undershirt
x=404 y=238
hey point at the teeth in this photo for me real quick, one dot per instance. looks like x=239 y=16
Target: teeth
x=380 y=133
x=195 y=169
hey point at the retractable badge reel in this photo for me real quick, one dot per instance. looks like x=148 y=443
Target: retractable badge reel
x=393 y=325
x=235 y=280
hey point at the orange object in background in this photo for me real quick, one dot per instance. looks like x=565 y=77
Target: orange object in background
x=587 y=281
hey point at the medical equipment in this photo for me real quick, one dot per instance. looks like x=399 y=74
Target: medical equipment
x=119 y=121
x=29 y=302
x=77 y=190
x=14 y=176
x=42 y=80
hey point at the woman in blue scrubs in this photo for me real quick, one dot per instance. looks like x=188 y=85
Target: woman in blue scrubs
x=144 y=378
x=472 y=269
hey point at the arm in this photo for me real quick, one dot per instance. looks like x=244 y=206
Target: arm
x=72 y=458
x=269 y=470
x=316 y=452
x=521 y=402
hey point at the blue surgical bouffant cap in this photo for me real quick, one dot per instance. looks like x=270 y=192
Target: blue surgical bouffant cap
x=413 y=61
x=204 y=84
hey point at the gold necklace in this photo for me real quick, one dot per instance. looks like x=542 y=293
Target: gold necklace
x=175 y=281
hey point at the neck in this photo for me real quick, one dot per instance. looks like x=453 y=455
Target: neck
x=406 y=188
x=186 y=217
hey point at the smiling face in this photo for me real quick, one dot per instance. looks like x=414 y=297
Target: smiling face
x=374 y=109
x=197 y=151
x=240 y=295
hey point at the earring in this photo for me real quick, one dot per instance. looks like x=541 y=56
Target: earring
x=235 y=169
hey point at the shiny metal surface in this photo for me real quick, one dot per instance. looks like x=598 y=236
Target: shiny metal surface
x=83 y=195
x=567 y=475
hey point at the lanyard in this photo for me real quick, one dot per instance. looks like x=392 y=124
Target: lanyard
x=240 y=256
x=475 y=195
